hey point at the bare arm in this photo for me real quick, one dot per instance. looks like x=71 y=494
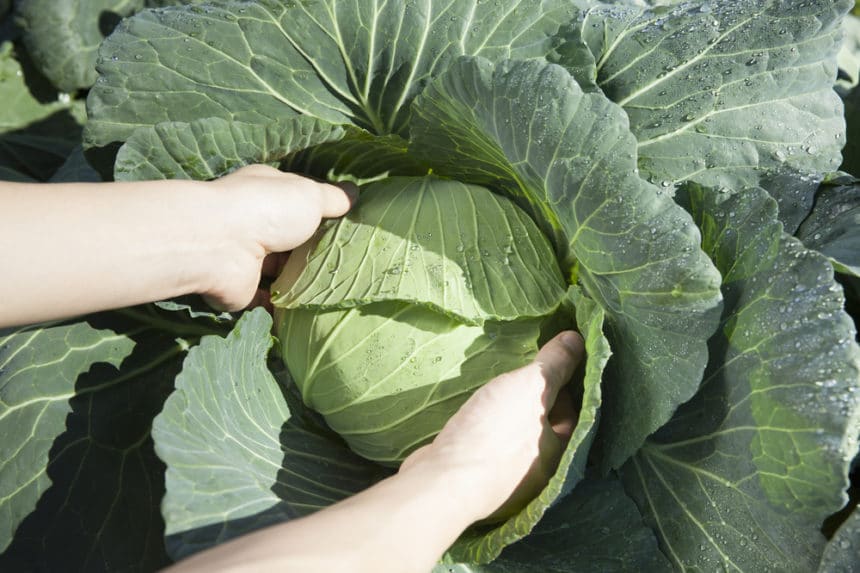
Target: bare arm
x=404 y=523
x=69 y=249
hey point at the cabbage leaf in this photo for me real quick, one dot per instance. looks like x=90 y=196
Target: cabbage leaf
x=527 y=129
x=727 y=94
x=744 y=474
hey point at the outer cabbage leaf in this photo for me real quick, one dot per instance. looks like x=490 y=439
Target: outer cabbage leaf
x=38 y=369
x=359 y=157
x=164 y=3
x=238 y=457
x=456 y=248
x=211 y=147
x=833 y=226
x=729 y=94
x=35 y=137
x=63 y=37
x=35 y=156
x=350 y=62
x=484 y=544
x=527 y=130
x=745 y=473
x=568 y=538
x=193 y=308
x=80 y=483
x=10 y=174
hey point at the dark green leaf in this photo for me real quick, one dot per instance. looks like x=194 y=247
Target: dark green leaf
x=212 y=147
x=350 y=62
x=35 y=137
x=164 y=3
x=528 y=130
x=63 y=37
x=595 y=529
x=730 y=94
x=37 y=156
x=10 y=174
x=81 y=482
x=38 y=370
x=75 y=169
x=358 y=157
x=833 y=227
x=851 y=153
x=744 y=474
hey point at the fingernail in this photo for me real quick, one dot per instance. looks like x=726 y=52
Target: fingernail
x=570 y=339
x=351 y=190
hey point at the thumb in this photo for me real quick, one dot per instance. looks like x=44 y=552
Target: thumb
x=293 y=218
x=337 y=199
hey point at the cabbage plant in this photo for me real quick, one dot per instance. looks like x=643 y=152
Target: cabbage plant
x=389 y=325
x=663 y=178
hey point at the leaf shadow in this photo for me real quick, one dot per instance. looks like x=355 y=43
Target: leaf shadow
x=101 y=510
x=38 y=149
x=329 y=470
x=108 y=20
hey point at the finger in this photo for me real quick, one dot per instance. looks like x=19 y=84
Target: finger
x=338 y=199
x=558 y=360
x=563 y=416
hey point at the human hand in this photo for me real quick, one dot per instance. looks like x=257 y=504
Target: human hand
x=268 y=213
x=506 y=441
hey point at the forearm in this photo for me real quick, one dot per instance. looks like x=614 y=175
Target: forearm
x=401 y=525
x=69 y=249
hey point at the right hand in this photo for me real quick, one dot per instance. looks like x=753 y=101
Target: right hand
x=508 y=438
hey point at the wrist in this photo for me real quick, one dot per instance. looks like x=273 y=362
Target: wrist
x=463 y=481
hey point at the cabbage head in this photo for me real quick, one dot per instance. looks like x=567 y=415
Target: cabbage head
x=424 y=292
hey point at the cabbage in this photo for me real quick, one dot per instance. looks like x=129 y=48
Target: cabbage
x=402 y=310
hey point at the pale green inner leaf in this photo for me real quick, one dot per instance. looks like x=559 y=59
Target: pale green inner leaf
x=454 y=247
x=386 y=376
